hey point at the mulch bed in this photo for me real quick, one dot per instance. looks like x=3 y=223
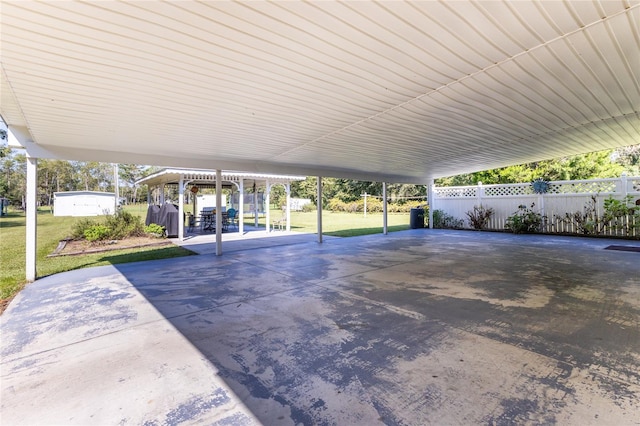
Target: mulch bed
x=75 y=248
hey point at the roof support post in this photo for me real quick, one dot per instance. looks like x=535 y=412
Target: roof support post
x=287 y=189
x=319 y=208
x=181 y=208
x=267 y=208
x=255 y=204
x=161 y=193
x=32 y=217
x=116 y=187
x=384 y=208
x=241 y=209
x=430 y=199
x=218 y=212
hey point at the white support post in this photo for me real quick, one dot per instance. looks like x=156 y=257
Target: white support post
x=116 y=188
x=32 y=218
x=218 y=212
x=162 y=194
x=384 y=208
x=288 y=190
x=319 y=208
x=268 y=206
x=181 y=208
x=241 y=209
x=255 y=204
x=431 y=192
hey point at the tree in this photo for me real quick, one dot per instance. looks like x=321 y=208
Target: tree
x=592 y=165
x=96 y=176
x=406 y=192
x=629 y=158
x=278 y=196
x=130 y=174
x=55 y=176
x=4 y=149
x=308 y=189
x=13 y=178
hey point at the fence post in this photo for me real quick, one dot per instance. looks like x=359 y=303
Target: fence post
x=625 y=185
x=480 y=194
x=541 y=201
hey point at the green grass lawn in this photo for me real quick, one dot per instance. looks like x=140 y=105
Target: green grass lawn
x=52 y=229
x=340 y=224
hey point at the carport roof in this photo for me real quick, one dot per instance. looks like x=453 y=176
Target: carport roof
x=395 y=91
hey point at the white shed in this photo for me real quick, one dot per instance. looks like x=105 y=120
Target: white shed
x=83 y=203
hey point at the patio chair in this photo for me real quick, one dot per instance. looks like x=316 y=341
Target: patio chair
x=280 y=223
x=232 y=217
x=207 y=219
x=191 y=222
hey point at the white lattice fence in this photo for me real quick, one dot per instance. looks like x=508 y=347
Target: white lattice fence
x=563 y=199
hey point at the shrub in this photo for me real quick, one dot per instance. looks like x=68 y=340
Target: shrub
x=479 y=216
x=615 y=209
x=123 y=224
x=155 y=230
x=525 y=220
x=96 y=233
x=621 y=215
x=587 y=221
x=115 y=227
x=77 y=231
x=444 y=220
x=374 y=205
x=309 y=207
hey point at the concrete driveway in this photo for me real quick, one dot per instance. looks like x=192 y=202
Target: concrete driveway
x=417 y=327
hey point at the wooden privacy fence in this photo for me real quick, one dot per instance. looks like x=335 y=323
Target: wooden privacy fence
x=567 y=207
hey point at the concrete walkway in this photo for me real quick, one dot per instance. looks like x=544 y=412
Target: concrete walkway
x=418 y=327
x=205 y=243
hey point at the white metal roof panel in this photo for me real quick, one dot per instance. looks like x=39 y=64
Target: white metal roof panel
x=397 y=91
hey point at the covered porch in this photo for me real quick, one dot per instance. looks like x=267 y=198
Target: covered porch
x=238 y=194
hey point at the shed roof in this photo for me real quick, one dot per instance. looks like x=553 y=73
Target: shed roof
x=75 y=193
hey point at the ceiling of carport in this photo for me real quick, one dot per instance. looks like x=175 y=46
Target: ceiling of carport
x=395 y=91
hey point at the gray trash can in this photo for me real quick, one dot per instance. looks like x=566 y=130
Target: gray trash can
x=416 y=218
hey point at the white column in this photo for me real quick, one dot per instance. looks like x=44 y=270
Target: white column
x=116 y=187
x=268 y=206
x=255 y=204
x=32 y=217
x=431 y=200
x=162 y=194
x=218 y=212
x=241 y=209
x=288 y=190
x=384 y=208
x=181 y=208
x=319 y=208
